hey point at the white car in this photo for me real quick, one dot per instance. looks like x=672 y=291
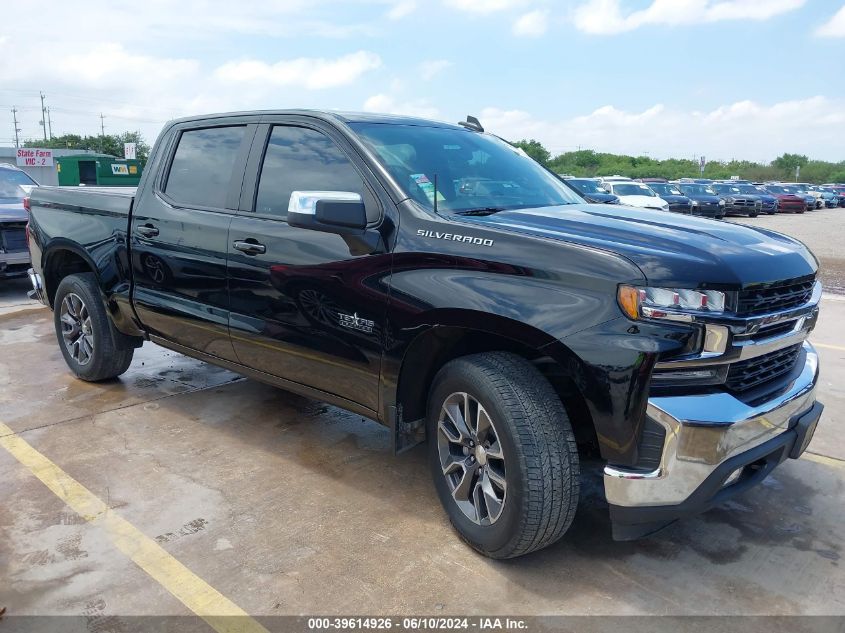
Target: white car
x=636 y=194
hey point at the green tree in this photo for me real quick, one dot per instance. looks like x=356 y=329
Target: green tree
x=535 y=150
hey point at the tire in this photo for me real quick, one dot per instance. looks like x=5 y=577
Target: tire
x=801 y=211
x=753 y=214
x=84 y=331
x=539 y=458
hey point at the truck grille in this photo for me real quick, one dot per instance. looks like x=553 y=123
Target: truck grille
x=751 y=373
x=774 y=298
x=13 y=239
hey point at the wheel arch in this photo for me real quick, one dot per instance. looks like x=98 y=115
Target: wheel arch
x=63 y=258
x=437 y=345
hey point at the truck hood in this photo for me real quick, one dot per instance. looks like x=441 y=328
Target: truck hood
x=670 y=249
x=12 y=211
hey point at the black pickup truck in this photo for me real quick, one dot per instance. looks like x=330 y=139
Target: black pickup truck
x=431 y=277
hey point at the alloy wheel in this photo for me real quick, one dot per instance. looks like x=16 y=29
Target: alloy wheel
x=77 y=331
x=472 y=459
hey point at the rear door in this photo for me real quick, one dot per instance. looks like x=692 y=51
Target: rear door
x=180 y=231
x=303 y=307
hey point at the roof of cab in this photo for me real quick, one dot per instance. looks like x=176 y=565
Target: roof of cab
x=329 y=115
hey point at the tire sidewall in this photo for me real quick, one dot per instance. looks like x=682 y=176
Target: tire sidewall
x=485 y=538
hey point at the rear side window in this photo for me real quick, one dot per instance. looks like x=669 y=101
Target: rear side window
x=202 y=166
x=301 y=159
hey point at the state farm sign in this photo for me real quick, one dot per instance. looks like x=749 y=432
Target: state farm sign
x=35 y=157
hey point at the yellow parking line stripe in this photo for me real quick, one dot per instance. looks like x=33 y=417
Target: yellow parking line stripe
x=824 y=459
x=826 y=346
x=212 y=606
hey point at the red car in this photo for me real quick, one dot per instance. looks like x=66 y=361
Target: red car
x=787 y=202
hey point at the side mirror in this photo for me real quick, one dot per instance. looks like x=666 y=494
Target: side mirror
x=328 y=211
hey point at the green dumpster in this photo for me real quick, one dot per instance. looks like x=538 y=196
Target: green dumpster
x=98 y=170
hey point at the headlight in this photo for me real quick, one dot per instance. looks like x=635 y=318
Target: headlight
x=673 y=304
x=721 y=203
x=695 y=203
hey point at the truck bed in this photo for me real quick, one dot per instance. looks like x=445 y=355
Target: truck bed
x=112 y=200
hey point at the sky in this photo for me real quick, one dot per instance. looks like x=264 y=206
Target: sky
x=743 y=79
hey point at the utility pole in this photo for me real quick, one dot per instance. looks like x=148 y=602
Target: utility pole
x=43 y=115
x=49 y=123
x=17 y=129
x=102 y=131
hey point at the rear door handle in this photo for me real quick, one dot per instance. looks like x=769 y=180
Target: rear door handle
x=147 y=230
x=249 y=247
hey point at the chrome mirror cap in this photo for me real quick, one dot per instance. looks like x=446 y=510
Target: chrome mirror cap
x=305 y=202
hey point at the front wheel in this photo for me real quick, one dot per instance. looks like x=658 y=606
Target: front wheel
x=753 y=214
x=85 y=333
x=502 y=454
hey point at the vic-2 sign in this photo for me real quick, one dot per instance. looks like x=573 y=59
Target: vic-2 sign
x=34 y=157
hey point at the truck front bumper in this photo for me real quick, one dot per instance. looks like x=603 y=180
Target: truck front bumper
x=716 y=446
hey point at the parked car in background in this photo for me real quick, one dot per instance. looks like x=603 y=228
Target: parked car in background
x=736 y=202
x=810 y=202
x=839 y=190
x=591 y=190
x=636 y=194
x=705 y=202
x=678 y=202
x=768 y=201
x=15 y=185
x=830 y=197
x=788 y=200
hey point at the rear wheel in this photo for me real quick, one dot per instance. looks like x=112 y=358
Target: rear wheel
x=85 y=333
x=502 y=454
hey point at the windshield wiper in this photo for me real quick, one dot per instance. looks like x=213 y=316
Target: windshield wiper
x=480 y=211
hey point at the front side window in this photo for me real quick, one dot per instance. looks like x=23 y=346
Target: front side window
x=202 y=166
x=473 y=171
x=302 y=159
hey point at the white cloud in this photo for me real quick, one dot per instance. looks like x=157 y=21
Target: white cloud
x=388 y=104
x=603 y=17
x=313 y=73
x=402 y=9
x=483 y=6
x=532 y=24
x=430 y=68
x=835 y=27
x=745 y=129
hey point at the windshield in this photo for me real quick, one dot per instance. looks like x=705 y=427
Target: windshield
x=587 y=186
x=663 y=189
x=11 y=181
x=748 y=189
x=474 y=171
x=697 y=190
x=632 y=189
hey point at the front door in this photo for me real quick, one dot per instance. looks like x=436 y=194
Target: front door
x=303 y=307
x=180 y=233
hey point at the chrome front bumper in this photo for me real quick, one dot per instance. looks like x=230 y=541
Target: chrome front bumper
x=703 y=432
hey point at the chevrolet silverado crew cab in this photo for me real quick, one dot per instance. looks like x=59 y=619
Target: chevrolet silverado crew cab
x=431 y=277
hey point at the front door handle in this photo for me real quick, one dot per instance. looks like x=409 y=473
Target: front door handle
x=147 y=230
x=250 y=247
